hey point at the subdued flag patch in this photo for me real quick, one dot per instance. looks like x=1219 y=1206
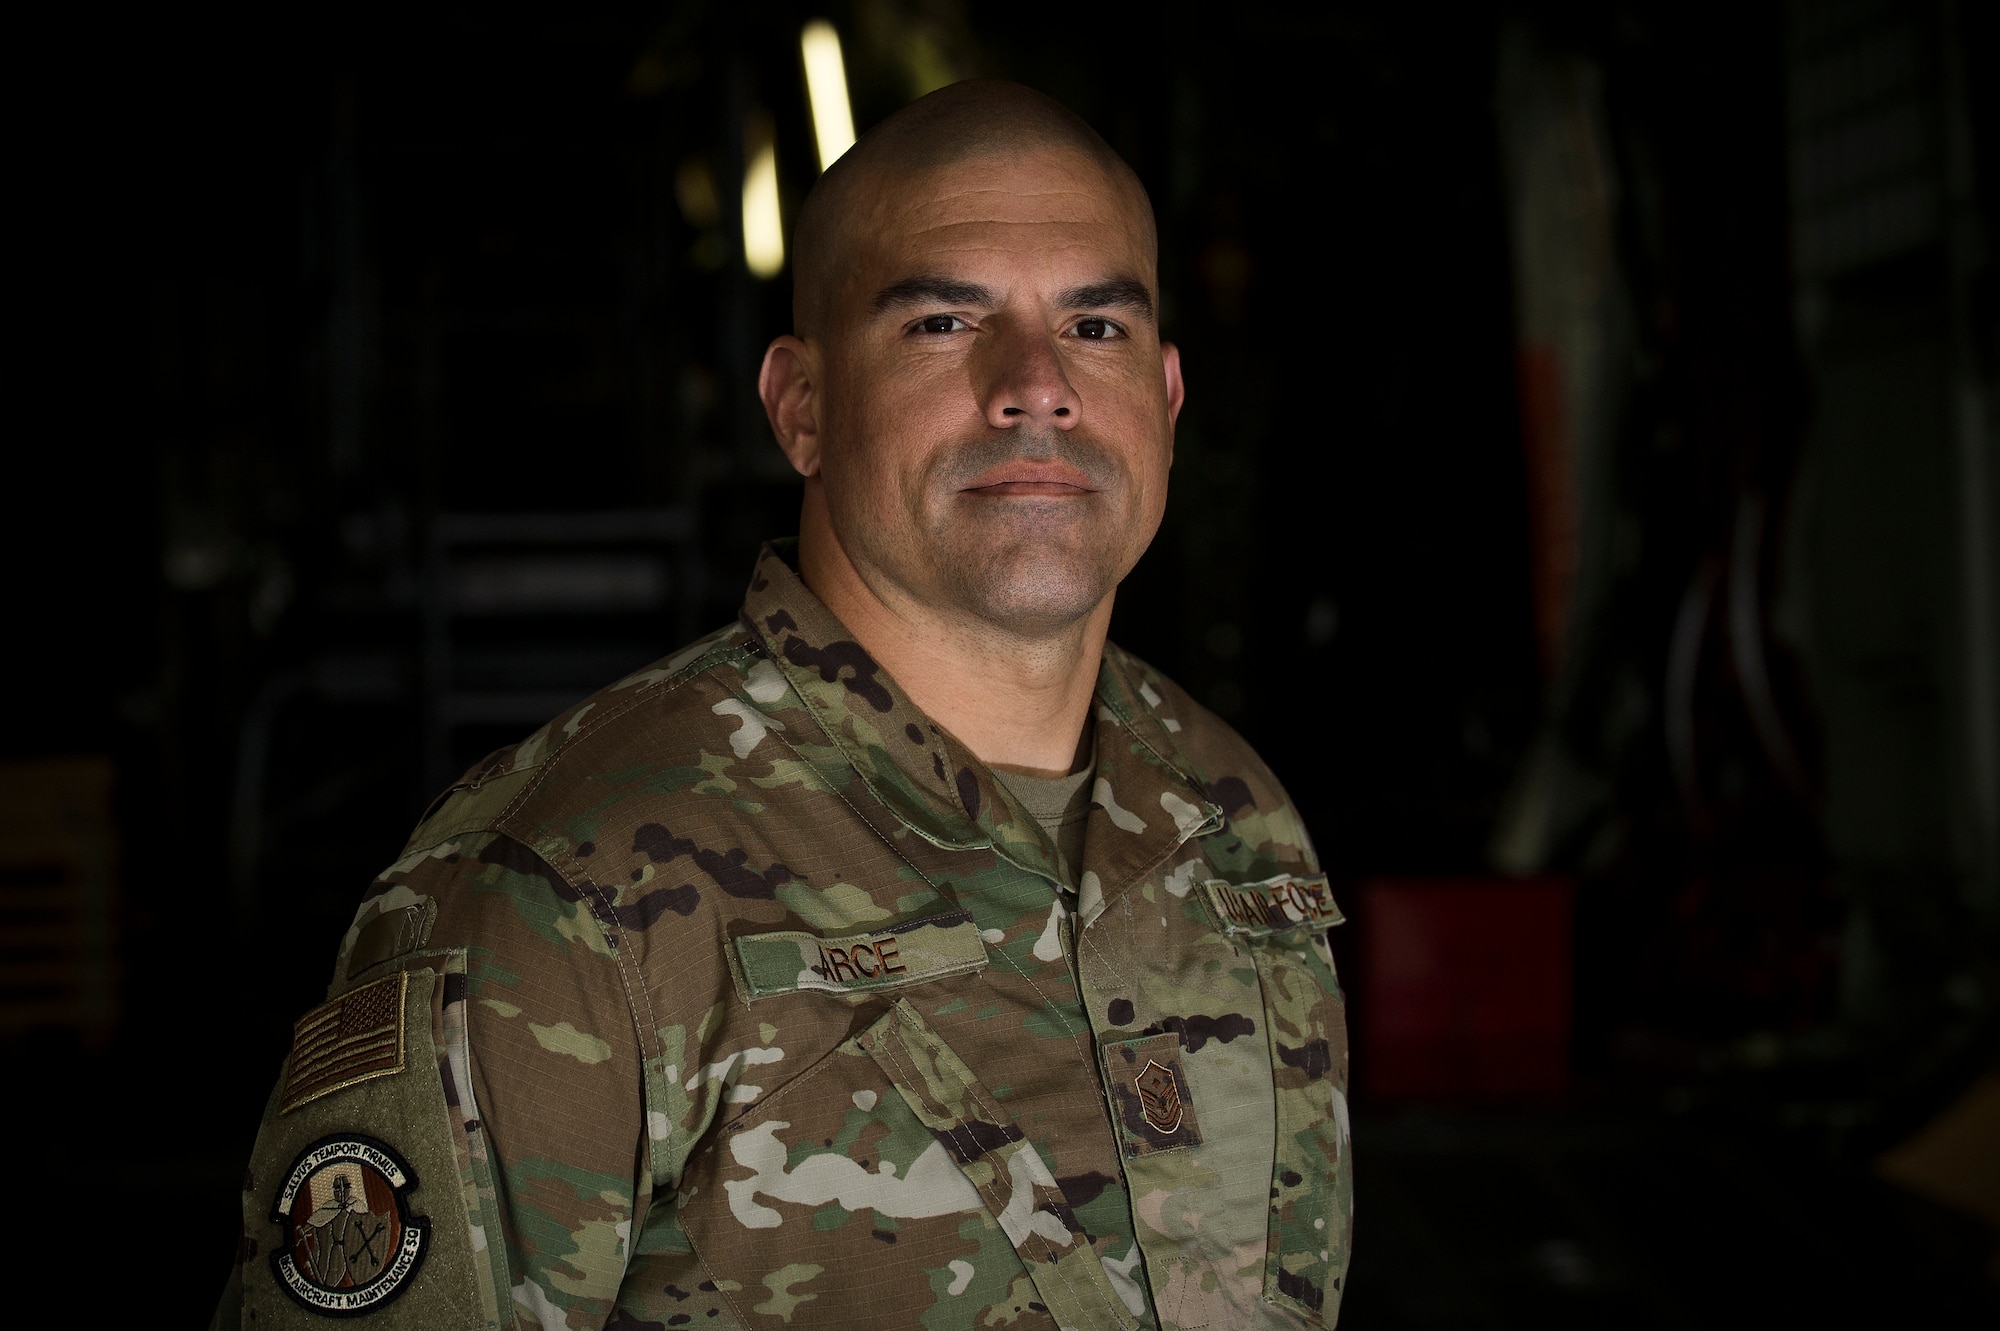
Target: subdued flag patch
x=353 y=1038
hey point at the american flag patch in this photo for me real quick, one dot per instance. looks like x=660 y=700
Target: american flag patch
x=351 y=1039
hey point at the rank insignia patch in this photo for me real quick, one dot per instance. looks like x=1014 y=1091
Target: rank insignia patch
x=351 y=1039
x=351 y=1244
x=1159 y=1097
x=1149 y=1090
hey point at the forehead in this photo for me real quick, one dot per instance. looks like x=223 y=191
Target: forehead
x=1050 y=208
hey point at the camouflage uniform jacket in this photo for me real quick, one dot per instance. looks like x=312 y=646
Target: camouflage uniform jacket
x=742 y=995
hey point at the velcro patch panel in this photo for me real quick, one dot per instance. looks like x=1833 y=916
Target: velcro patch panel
x=1150 y=1094
x=927 y=949
x=1273 y=906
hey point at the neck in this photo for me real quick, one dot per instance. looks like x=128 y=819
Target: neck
x=1017 y=701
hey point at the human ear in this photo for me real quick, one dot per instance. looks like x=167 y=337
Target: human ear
x=791 y=402
x=1170 y=355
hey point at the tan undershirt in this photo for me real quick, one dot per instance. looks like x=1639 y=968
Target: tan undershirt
x=1061 y=805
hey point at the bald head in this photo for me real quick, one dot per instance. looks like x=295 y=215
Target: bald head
x=964 y=122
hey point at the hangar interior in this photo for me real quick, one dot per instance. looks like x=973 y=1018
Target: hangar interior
x=1587 y=502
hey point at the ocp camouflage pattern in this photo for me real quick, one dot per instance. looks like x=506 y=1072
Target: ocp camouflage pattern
x=758 y=1001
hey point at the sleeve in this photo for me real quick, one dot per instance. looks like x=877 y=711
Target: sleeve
x=457 y=1137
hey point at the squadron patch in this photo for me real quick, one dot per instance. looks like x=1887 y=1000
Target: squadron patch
x=351 y=1244
x=1149 y=1090
x=355 y=1037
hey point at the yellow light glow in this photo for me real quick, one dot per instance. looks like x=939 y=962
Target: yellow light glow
x=826 y=85
x=763 y=230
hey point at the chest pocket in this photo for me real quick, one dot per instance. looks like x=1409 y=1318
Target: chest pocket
x=891 y=1188
x=1283 y=922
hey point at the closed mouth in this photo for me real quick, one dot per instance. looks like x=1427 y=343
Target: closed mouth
x=1033 y=480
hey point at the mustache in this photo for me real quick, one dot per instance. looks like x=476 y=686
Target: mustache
x=973 y=458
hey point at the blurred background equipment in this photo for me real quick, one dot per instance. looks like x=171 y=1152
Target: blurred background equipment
x=525 y=613
x=58 y=899
x=1586 y=499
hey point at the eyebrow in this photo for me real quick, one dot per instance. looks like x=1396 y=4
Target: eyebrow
x=928 y=290
x=1117 y=293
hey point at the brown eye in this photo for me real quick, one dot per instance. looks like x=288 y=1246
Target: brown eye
x=939 y=323
x=1096 y=330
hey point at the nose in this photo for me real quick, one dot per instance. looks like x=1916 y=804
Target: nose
x=1025 y=382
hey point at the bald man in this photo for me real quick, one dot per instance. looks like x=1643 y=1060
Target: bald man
x=903 y=954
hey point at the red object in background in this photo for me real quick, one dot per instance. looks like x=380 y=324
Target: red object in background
x=1465 y=988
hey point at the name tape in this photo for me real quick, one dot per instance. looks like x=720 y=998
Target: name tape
x=1273 y=906
x=788 y=960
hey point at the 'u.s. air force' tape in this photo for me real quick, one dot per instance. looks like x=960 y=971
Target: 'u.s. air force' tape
x=788 y=960
x=1273 y=906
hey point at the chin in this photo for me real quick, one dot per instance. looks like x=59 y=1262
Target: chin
x=1034 y=593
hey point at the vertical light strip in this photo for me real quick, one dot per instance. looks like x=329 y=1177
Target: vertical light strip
x=763 y=229
x=826 y=85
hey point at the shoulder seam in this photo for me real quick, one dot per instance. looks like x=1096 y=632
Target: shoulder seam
x=601 y=915
x=601 y=910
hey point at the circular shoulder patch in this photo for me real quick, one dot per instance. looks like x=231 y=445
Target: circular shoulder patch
x=351 y=1244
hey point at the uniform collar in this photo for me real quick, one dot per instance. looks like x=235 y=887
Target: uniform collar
x=932 y=784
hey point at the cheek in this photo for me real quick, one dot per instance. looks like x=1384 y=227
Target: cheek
x=1131 y=416
x=888 y=426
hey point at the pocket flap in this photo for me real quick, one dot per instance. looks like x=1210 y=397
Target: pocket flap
x=926 y=949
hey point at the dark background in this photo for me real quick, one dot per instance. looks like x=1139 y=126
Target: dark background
x=1587 y=489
